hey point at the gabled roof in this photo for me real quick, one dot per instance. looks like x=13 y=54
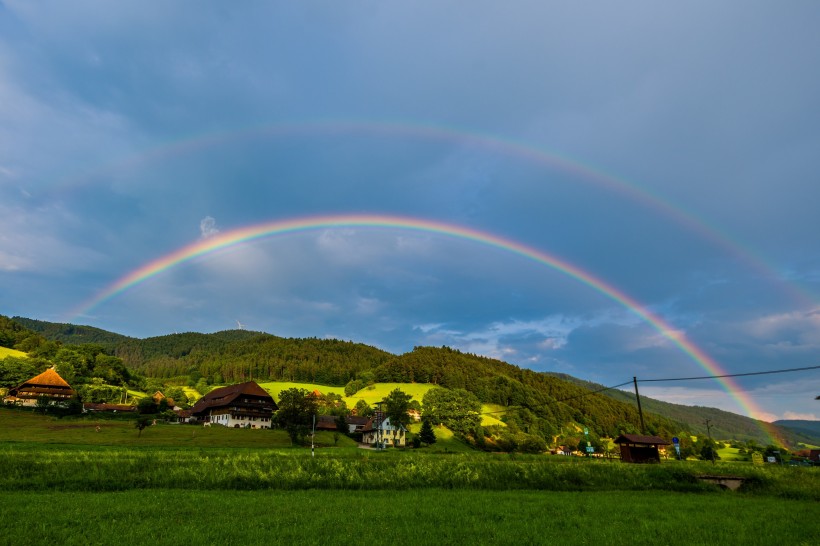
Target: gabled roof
x=640 y=439
x=223 y=396
x=384 y=425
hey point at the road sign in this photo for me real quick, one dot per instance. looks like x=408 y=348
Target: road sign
x=757 y=458
x=675 y=440
x=586 y=431
x=590 y=449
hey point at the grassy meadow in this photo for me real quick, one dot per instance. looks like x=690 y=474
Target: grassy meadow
x=233 y=486
x=438 y=516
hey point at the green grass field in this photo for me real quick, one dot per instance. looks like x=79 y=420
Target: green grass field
x=63 y=482
x=4 y=352
x=172 y=516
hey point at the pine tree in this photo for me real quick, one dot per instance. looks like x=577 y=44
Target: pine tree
x=426 y=434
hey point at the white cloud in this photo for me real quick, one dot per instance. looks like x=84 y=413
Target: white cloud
x=801 y=416
x=207 y=227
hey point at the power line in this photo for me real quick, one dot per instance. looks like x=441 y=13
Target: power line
x=557 y=400
x=729 y=375
x=589 y=393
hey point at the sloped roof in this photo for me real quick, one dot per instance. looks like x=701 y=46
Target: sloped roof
x=640 y=439
x=49 y=377
x=223 y=396
x=385 y=425
x=47 y=383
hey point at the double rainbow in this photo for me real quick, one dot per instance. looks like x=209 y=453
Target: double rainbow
x=284 y=227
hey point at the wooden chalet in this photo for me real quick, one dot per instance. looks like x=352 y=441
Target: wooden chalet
x=48 y=384
x=246 y=405
x=637 y=448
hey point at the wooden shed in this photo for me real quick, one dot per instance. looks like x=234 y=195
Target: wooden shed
x=636 y=448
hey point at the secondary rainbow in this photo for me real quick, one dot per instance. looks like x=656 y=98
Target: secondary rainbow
x=503 y=146
x=283 y=227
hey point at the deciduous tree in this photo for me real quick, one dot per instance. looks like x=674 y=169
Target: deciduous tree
x=296 y=410
x=395 y=406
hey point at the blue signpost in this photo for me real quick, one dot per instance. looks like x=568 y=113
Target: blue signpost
x=676 y=442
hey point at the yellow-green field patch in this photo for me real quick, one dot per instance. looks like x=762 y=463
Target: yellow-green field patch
x=5 y=351
x=377 y=392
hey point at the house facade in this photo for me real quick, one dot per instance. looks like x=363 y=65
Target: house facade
x=379 y=431
x=48 y=385
x=246 y=405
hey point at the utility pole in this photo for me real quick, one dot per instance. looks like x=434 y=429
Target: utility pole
x=378 y=425
x=712 y=444
x=638 y=398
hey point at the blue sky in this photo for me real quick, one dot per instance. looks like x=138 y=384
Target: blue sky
x=671 y=151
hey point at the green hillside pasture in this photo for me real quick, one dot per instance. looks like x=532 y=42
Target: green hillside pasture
x=5 y=351
x=275 y=387
x=30 y=427
x=728 y=454
x=191 y=393
x=446 y=442
x=406 y=517
x=491 y=415
x=377 y=392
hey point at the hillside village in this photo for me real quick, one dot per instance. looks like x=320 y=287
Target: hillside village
x=499 y=408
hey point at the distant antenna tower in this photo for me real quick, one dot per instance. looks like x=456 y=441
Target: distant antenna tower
x=240 y=325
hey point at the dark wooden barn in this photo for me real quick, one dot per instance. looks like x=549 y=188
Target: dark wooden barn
x=636 y=448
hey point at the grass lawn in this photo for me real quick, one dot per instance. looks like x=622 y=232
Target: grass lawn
x=30 y=427
x=432 y=516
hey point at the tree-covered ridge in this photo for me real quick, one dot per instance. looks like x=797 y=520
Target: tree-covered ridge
x=260 y=357
x=536 y=402
x=71 y=334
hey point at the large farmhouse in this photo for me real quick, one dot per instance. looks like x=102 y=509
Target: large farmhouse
x=48 y=385
x=244 y=405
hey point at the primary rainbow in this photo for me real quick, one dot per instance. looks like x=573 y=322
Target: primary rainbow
x=281 y=227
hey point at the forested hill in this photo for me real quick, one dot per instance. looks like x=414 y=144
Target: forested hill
x=71 y=334
x=229 y=356
x=534 y=400
x=724 y=424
